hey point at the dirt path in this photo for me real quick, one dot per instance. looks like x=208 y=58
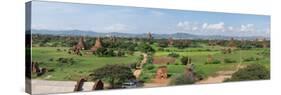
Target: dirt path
x=220 y=76
x=138 y=71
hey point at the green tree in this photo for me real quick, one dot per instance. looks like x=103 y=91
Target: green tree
x=173 y=54
x=251 y=72
x=181 y=79
x=143 y=47
x=184 y=60
x=114 y=74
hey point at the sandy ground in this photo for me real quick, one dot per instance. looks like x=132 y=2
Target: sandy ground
x=46 y=86
x=216 y=79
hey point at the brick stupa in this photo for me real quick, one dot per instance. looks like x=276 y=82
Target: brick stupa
x=97 y=45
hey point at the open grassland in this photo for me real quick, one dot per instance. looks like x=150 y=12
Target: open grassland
x=81 y=67
x=199 y=58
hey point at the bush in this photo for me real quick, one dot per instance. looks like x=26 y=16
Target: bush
x=199 y=74
x=145 y=77
x=216 y=61
x=184 y=60
x=181 y=79
x=120 y=53
x=105 y=52
x=149 y=58
x=173 y=54
x=160 y=49
x=227 y=60
x=145 y=48
x=250 y=59
x=51 y=59
x=133 y=65
x=66 y=60
x=251 y=72
x=149 y=66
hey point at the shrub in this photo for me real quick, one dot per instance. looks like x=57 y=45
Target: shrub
x=184 y=60
x=181 y=79
x=51 y=59
x=66 y=60
x=251 y=72
x=160 y=49
x=105 y=52
x=145 y=77
x=149 y=66
x=250 y=59
x=133 y=65
x=216 y=61
x=227 y=60
x=145 y=48
x=199 y=74
x=173 y=54
x=149 y=58
x=120 y=53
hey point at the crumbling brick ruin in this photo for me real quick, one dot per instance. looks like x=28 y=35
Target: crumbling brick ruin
x=210 y=58
x=76 y=49
x=35 y=67
x=79 y=85
x=98 y=85
x=170 y=41
x=37 y=70
x=97 y=45
x=189 y=72
x=162 y=72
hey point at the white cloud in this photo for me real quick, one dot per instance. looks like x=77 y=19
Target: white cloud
x=247 y=28
x=204 y=26
x=117 y=28
x=230 y=28
x=188 y=26
x=216 y=26
x=195 y=28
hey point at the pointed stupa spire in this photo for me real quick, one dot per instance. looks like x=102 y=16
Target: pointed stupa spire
x=149 y=36
x=97 y=45
x=81 y=44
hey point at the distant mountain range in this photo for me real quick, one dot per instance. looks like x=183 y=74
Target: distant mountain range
x=142 y=35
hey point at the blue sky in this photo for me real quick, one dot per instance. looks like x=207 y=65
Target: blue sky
x=102 y=18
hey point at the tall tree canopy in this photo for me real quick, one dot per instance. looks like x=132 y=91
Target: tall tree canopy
x=114 y=74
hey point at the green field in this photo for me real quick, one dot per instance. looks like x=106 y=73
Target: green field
x=82 y=67
x=199 y=58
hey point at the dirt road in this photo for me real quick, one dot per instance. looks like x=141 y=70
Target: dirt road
x=221 y=76
x=138 y=71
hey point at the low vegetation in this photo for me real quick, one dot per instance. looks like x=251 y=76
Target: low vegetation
x=251 y=72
